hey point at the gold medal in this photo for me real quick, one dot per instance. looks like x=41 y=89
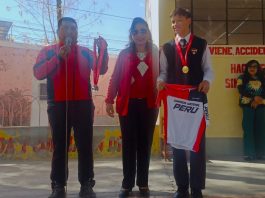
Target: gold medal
x=185 y=69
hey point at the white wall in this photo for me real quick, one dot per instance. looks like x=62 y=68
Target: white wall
x=152 y=17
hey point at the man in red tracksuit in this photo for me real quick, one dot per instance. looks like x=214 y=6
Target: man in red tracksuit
x=67 y=67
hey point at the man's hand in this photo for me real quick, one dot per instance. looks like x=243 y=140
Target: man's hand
x=101 y=42
x=110 y=110
x=160 y=85
x=64 y=51
x=204 y=86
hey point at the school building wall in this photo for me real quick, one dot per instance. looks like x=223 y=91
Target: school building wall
x=35 y=143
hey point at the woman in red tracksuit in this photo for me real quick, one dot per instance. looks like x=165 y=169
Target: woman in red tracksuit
x=134 y=83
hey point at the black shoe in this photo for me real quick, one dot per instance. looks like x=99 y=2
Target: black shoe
x=249 y=158
x=260 y=157
x=181 y=194
x=86 y=190
x=124 y=192
x=144 y=191
x=58 y=191
x=196 y=193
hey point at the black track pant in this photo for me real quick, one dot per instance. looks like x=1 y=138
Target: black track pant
x=80 y=118
x=197 y=175
x=137 y=129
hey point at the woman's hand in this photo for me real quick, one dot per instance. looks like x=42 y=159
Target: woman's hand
x=258 y=99
x=110 y=109
x=254 y=104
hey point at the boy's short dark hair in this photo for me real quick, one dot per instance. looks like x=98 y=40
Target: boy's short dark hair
x=66 y=19
x=181 y=12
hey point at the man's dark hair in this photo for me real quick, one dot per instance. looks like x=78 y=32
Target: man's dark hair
x=181 y=12
x=66 y=19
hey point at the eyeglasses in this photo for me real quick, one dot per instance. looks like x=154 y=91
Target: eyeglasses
x=141 y=31
x=254 y=66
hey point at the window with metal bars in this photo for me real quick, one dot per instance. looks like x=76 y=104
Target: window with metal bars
x=233 y=22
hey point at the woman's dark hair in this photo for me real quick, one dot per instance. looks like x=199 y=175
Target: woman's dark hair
x=259 y=74
x=131 y=44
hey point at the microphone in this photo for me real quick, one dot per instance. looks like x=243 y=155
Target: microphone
x=68 y=41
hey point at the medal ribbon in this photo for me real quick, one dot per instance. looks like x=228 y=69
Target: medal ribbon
x=184 y=60
x=98 y=58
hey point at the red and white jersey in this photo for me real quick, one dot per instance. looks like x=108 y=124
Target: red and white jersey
x=185 y=116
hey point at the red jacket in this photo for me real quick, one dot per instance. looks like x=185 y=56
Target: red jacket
x=120 y=81
x=67 y=82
